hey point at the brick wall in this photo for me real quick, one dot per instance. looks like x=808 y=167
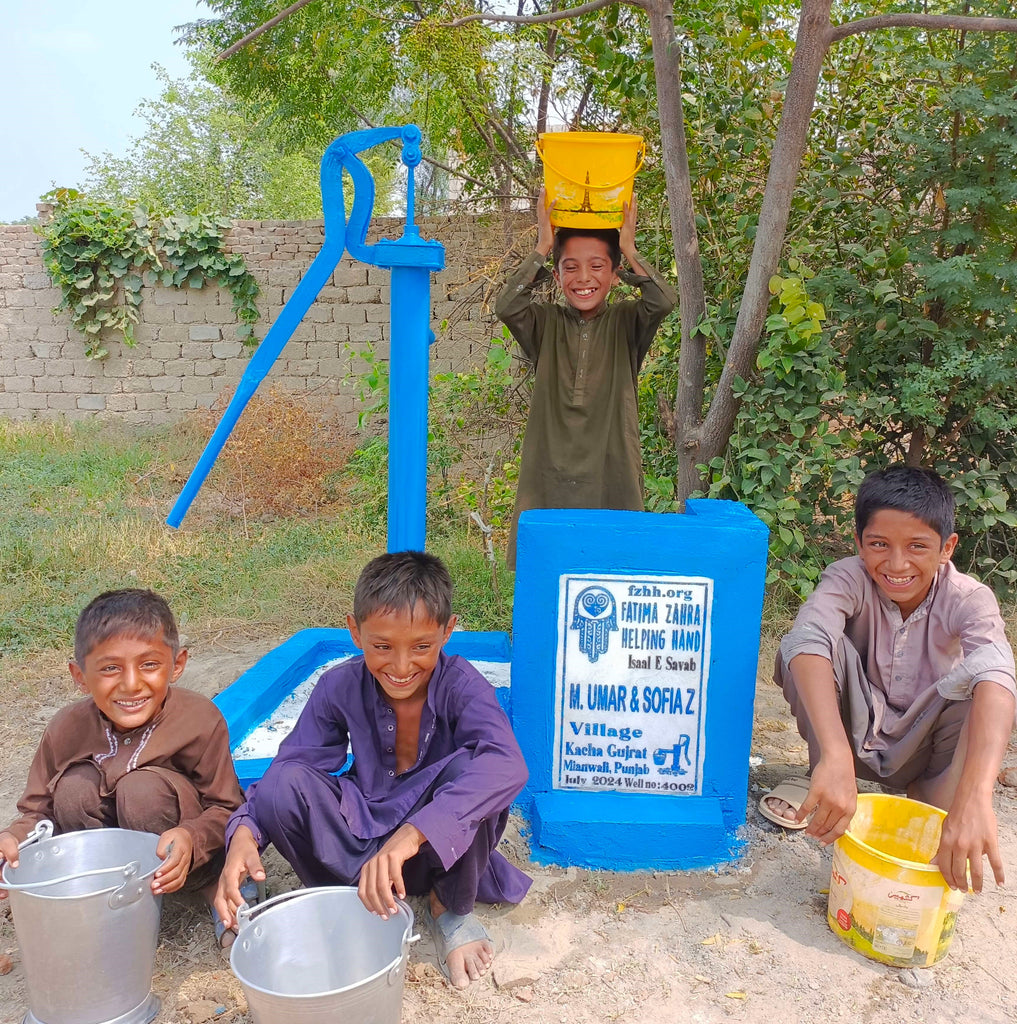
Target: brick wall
x=187 y=351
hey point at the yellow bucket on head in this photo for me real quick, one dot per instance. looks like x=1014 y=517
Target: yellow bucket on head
x=886 y=899
x=589 y=176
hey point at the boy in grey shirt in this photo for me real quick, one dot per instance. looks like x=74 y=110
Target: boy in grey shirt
x=898 y=671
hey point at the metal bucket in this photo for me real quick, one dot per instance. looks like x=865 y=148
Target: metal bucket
x=87 y=923
x=318 y=956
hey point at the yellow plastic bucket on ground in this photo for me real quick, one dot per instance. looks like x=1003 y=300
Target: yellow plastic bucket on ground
x=886 y=899
x=589 y=176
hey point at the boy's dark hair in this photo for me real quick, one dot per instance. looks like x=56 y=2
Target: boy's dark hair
x=139 y=614
x=399 y=580
x=609 y=236
x=921 y=492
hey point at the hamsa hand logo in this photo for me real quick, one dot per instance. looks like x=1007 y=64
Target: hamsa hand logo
x=595 y=616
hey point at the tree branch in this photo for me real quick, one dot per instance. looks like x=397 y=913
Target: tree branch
x=547 y=72
x=493 y=149
x=437 y=163
x=539 y=19
x=785 y=162
x=524 y=19
x=681 y=209
x=271 y=23
x=577 y=118
x=499 y=126
x=937 y=22
x=462 y=175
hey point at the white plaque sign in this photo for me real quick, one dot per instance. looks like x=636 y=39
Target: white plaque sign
x=630 y=683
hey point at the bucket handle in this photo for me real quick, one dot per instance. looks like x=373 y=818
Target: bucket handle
x=43 y=830
x=395 y=974
x=130 y=892
x=128 y=871
x=245 y=914
x=584 y=184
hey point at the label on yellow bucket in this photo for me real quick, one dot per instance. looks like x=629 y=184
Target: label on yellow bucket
x=887 y=919
x=895 y=932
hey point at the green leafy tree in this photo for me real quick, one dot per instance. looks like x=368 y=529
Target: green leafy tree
x=371 y=59
x=743 y=105
x=479 y=92
x=911 y=223
x=925 y=287
x=200 y=150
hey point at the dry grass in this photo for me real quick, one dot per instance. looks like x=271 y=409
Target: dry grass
x=279 y=458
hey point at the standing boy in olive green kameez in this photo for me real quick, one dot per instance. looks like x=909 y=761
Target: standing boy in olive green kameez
x=581 y=448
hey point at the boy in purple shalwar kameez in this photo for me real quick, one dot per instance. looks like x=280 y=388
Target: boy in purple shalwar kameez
x=436 y=768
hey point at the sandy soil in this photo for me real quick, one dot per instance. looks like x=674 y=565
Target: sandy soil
x=745 y=942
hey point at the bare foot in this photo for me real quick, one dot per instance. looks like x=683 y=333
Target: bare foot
x=466 y=963
x=781 y=804
x=781 y=808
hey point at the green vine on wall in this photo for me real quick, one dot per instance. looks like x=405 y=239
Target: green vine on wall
x=101 y=255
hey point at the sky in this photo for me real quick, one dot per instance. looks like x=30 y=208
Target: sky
x=72 y=75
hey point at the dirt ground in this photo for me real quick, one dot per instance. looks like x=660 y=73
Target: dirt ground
x=745 y=942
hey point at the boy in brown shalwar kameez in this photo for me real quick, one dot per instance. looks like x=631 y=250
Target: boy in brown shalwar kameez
x=136 y=753
x=581 y=448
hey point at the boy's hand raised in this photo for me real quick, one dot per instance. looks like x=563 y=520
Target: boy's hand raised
x=242 y=859
x=627 y=238
x=627 y=231
x=175 y=848
x=382 y=875
x=545 y=232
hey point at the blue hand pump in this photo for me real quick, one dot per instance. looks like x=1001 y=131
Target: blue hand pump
x=411 y=260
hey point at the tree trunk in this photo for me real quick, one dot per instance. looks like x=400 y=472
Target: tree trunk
x=916 y=447
x=550 y=46
x=785 y=161
x=691 y=293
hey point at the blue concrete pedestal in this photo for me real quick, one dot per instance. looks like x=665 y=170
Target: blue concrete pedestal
x=255 y=696
x=635 y=645
x=597 y=830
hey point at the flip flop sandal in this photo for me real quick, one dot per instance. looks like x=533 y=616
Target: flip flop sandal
x=224 y=937
x=792 y=791
x=253 y=893
x=451 y=931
